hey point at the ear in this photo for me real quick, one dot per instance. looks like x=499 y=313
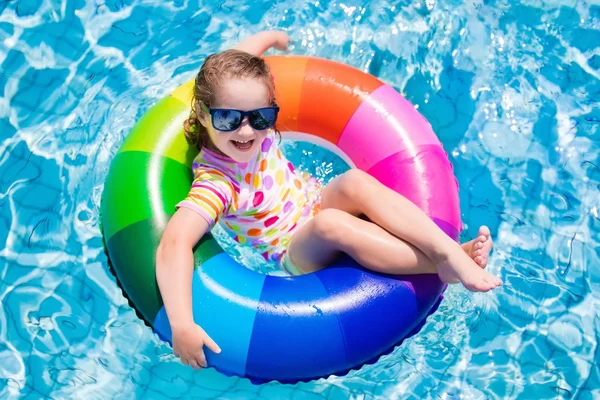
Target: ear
x=203 y=116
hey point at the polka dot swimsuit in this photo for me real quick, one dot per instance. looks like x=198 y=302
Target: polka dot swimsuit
x=260 y=203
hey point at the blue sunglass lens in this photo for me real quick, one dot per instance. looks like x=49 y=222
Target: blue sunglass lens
x=263 y=119
x=227 y=120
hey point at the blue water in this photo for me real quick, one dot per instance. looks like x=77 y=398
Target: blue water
x=511 y=87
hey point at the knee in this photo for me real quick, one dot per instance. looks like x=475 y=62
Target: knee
x=355 y=183
x=328 y=225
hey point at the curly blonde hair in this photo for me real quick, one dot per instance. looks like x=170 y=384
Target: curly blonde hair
x=229 y=64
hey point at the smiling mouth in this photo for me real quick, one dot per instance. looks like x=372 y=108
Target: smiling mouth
x=243 y=145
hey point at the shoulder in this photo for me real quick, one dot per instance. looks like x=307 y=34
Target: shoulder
x=271 y=143
x=206 y=166
x=215 y=179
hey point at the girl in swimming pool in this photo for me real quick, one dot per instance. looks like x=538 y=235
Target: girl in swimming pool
x=243 y=180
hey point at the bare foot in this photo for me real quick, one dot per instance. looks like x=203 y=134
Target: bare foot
x=457 y=266
x=479 y=248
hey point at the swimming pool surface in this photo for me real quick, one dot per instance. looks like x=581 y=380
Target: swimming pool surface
x=511 y=87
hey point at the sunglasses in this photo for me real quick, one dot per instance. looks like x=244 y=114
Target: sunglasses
x=227 y=120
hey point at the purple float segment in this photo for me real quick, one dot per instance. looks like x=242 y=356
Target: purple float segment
x=424 y=176
x=447 y=228
x=422 y=286
x=384 y=124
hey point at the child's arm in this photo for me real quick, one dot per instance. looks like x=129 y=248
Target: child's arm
x=174 y=268
x=259 y=43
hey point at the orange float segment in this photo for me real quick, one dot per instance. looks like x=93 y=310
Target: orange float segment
x=330 y=95
x=289 y=77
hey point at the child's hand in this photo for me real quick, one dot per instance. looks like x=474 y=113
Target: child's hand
x=188 y=343
x=259 y=43
x=281 y=40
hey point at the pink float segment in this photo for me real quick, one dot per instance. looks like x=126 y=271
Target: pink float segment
x=384 y=124
x=424 y=176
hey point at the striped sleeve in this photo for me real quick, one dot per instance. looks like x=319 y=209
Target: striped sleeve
x=211 y=196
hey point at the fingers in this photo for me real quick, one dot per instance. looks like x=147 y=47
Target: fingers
x=201 y=360
x=198 y=362
x=208 y=342
x=194 y=364
x=283 y=41
x=192 y=352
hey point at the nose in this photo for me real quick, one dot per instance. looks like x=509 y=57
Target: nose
x=245 y=128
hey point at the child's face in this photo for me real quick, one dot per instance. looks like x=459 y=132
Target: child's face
x=238 y=94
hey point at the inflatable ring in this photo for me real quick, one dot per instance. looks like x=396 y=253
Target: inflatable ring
x=297 y=328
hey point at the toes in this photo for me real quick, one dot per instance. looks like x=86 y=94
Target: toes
x=483 y=286
x=478 y=259
x=484 y=231
x=493 y=281
x=483 y=283
x=482 y=239
x=487 y=283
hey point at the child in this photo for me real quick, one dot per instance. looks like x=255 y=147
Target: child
x=242 y=179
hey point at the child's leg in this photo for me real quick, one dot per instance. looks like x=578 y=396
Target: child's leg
x=357 y=193
x=317 y=243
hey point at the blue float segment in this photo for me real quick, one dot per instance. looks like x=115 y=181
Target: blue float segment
x=162 y=327
x=296 y=332
x=375 y=312
x=225 y=302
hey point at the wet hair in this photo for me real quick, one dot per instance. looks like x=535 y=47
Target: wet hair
x=217 y=68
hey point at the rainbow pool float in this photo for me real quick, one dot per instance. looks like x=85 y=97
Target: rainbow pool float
x=297 y=328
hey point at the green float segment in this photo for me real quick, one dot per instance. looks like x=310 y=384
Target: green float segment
x=206 y=249
x=142 y=186
x=160 y=131
x=149 y=175
x=132 y=252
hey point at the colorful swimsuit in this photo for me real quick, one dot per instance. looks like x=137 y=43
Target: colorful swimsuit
x=259 y=203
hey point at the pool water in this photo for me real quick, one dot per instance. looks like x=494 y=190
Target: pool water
x=512 y=88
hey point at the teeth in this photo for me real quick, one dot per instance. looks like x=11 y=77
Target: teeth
x=239 y=141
